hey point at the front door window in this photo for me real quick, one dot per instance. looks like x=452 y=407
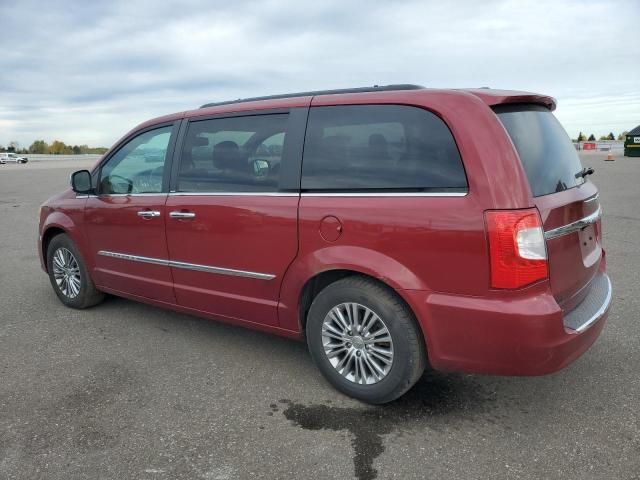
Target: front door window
x=138 y=167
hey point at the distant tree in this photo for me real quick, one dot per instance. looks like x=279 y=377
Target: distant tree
x=611 y=136
x=581 y=137
x=603 y=137
x=592 y=138
x=623 y=135
x=57 y=147
x=39 y=147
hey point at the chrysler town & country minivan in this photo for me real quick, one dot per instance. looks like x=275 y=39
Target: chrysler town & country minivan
x=391 y=227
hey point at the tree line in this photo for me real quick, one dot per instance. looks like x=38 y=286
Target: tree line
x=592 y=138
x=56 y=148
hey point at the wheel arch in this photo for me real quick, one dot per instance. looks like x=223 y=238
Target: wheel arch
x=314 y=285
x=47 y=235
x=312 y=271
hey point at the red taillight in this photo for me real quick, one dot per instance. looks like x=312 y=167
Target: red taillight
x=516 y=247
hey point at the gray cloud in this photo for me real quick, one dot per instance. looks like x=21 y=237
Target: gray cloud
x=85 y=72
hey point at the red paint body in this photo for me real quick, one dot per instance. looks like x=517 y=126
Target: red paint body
x=431 y=250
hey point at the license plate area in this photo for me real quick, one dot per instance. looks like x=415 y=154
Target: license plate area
x=589 y=245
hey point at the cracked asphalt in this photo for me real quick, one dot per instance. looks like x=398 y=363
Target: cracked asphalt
x=125 y=390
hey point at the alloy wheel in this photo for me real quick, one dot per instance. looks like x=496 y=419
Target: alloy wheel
x=66 y=272
x=357 y=343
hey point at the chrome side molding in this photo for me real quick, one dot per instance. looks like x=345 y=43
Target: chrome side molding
x=188 y=266
x=574 y=226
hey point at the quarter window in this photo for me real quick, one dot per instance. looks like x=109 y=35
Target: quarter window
x=235 y=154
x=380 y=147
x=138 y=166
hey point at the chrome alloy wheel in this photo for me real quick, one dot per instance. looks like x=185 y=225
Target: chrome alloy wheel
x=357 y=343
x=66 y=272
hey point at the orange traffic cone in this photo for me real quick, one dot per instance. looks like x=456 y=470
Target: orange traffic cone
x=609 y=157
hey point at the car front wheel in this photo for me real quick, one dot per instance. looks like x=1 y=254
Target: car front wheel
x=69 y=276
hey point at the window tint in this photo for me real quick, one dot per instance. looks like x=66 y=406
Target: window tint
x=549 y=158
x=237 y=154
x=379 y=147
x=138 y=167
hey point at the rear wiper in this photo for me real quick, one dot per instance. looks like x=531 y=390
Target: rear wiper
x=585 y=172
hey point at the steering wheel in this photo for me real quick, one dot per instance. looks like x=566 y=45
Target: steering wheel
x=122 y=179
x=146 y=183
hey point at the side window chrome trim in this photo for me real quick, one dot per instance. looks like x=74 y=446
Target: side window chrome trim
x=385 y=194
x=159 y=194
x=234 y=194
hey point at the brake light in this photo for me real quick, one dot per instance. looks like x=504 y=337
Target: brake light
x=516 y=247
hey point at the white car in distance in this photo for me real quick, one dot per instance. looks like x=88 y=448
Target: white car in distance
x=8 y=157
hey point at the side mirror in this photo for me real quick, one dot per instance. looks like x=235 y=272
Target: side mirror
x=261 y=168
x=81 y=181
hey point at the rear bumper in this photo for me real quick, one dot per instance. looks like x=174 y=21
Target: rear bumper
x=525 y=335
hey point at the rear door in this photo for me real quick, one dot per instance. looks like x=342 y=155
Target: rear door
x=232 y=213
x=567 y=201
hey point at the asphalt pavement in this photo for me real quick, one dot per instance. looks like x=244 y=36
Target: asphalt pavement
x=125 y=390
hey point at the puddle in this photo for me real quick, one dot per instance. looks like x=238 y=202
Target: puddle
x=435 y=395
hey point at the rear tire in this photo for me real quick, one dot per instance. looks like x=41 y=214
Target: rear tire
x=69 y=276
x=375 y=358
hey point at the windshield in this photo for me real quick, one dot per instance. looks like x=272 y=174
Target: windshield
x=549 y=158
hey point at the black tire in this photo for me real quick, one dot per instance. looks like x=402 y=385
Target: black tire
x=88 y=295
x=409 y=354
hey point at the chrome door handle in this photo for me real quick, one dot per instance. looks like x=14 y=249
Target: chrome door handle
x=148 y=213
x=182 y=215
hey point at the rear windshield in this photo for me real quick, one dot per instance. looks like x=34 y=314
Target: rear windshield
x=546 y=152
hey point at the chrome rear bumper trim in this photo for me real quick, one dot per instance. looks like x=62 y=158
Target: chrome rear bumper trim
x=188 y=266
x=601 y=296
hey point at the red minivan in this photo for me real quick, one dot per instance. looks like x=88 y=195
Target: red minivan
x=390 y=226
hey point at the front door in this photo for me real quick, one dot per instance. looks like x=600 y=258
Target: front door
x=231 y=229
x=125 y=221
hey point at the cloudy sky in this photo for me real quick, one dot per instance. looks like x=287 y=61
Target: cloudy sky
x=85 y=72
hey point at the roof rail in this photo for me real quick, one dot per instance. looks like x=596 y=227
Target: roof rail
x=375 y=88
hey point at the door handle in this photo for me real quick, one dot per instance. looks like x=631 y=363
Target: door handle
x=182 y=214
x=148 y=213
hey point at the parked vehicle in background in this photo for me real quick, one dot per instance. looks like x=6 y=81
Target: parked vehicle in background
x=8 y=157
x=632 y=143
x=392 y=227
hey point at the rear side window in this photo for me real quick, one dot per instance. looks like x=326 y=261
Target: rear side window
x=379 y=148
x=545 y=150
x=236 y=154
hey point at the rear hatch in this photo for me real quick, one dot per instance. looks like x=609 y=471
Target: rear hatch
x=568 y=202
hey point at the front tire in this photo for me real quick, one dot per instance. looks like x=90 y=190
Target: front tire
x=365 y=340
x=69 y=276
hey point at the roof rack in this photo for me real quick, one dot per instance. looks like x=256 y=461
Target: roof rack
x=375 y=88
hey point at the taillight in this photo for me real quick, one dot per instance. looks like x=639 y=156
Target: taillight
x=516 y=247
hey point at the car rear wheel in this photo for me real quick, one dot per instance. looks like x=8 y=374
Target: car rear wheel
x=69 y=276
x=365 y=340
